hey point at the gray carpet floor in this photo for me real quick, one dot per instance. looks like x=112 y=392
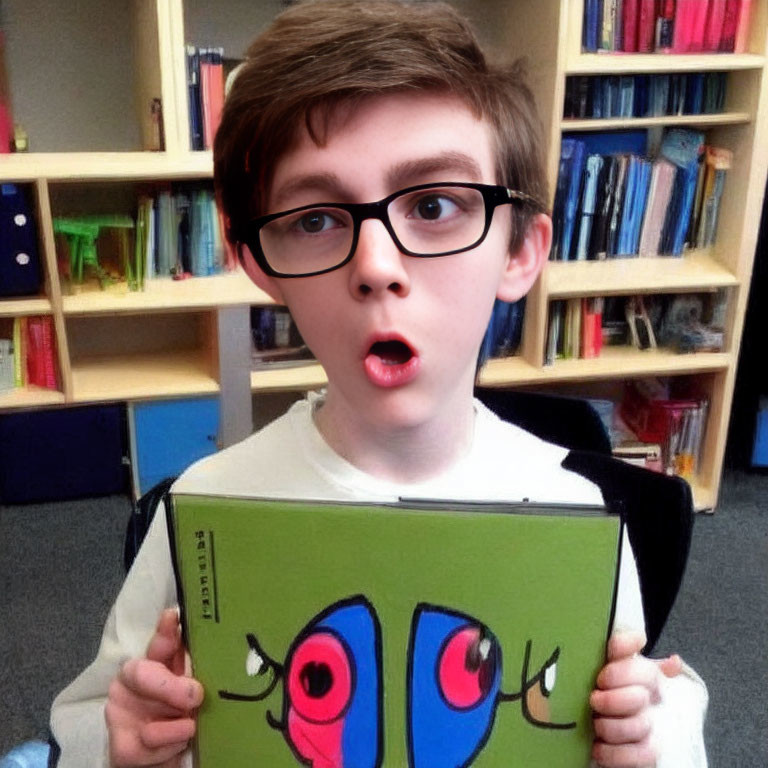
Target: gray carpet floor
x=61 y=567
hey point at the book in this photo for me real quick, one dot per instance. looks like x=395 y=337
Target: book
x=337 y=634
x=665 y=26
x=646 y=26
x=6 y=365
x=630 y=21
x=211 y=92
x=741 y=40
x=660 y=190
x=730 y=23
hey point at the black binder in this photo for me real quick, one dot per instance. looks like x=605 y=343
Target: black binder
x=19 y=257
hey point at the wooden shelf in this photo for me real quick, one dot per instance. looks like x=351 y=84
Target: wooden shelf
x=25 y=306
x=697 y=271
x=105 y=166
x=143 y=376
x=300 y=378
x=613 y=362
x=30 y=397
x=628 y=123
x=166 y=295
x=638 y=63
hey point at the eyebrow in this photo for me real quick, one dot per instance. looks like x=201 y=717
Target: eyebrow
x=404 y=174
x=416 y=171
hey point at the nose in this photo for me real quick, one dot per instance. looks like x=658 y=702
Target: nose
x=378 y=266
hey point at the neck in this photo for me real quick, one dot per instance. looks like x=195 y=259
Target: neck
x=402 y=453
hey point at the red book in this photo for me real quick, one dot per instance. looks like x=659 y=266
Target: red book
x=212 y=92
x=49 y=364
x=646 y=26
x=629 y=37
x=730 y=23
x=713 y=31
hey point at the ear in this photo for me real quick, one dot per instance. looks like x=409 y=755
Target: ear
x=524 y=267
x=267 y=284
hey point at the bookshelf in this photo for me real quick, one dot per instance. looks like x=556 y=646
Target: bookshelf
x=166 y=341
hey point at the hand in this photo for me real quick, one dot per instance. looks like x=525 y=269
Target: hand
x=151 y=704
x=627 y=686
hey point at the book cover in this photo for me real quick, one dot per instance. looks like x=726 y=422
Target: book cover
x=630 y=23
x=665 y=25
x=591 y=30
x=741 y=41
x=660 y=189
x=646 y=23
x=715 y=20
x=351 y=636
x=730 y=23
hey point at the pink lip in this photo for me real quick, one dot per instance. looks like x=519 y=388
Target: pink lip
x=390 y=374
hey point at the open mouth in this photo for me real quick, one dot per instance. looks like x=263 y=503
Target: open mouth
x=391 y=352
x=391 y=363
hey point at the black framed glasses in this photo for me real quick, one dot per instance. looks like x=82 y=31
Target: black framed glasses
x=427 y=220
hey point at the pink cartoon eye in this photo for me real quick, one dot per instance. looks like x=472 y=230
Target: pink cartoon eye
x=320 y=678
x=467 y=666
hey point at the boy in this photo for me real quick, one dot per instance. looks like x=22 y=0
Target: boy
x=417 y=173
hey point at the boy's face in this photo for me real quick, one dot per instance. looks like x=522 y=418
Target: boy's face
x=399 y=335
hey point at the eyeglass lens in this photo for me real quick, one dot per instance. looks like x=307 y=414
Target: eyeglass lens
x=427 y=222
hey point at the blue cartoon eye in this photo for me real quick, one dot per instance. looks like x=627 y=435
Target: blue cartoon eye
x=333 y=708
x=454 y=679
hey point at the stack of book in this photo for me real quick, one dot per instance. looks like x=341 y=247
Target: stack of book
x=666 y=26
x=685 y=323
x=603 y=97
x=178 y=233
x=627 y=204
x=664 y=420
x=502 y=337
x=275 y=339
x=207 y=71
x=28 y=353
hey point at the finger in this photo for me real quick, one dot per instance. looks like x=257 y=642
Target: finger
x=624 y=755
x=672 y=666
x=635 y=670
x=127 y=751
x=623 y=730
x=152 y=680
x=165 y=643
x=620 y=702
x=167 y=733
x=624 y=643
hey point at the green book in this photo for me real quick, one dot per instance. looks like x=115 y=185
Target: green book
x=425 y=635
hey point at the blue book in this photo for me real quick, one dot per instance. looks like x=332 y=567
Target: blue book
x=592 y=170
x=593 y=14
x=193 y=90
x=625 y=237
x=644 y=186
x=572 y=198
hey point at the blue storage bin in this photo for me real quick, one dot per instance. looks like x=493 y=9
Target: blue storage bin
x=167 y=436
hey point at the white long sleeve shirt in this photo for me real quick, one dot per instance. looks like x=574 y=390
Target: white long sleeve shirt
x=290 y=459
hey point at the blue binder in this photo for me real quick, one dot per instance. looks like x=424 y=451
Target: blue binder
x=19 y=259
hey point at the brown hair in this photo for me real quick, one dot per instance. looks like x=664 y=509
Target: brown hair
x=320 y=54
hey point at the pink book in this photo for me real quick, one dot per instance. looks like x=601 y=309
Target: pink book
x=699 y=14
x=212 y=92
x=662 y=177
x=684 y=12
x=714 y=29
x=730 y=22
x=742 y=30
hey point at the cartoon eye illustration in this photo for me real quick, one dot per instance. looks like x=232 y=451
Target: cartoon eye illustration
x=332 y=691
x=320 y=683
x=467 y=667
x=454 y=688
x=454 y=678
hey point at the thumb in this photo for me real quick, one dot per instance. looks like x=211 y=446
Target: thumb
x=671 y=666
